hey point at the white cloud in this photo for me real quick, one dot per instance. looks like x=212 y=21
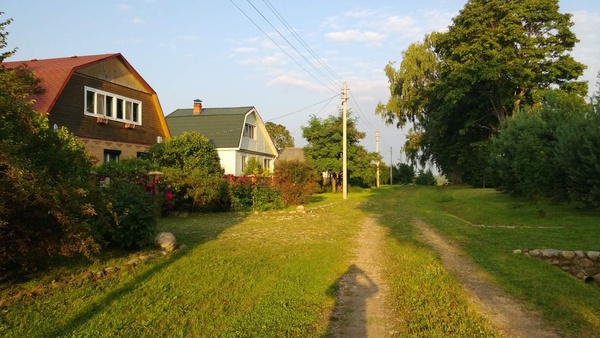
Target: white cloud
x=125 y=7
x=137 y=20
x=273 y=61
x=357 y=36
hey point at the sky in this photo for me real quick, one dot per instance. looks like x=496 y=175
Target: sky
x=289 y=59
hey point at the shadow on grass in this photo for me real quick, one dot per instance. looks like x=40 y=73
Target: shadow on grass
x=349 y=316
x=195 y=230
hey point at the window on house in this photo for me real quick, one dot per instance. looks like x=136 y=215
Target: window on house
x=120 y=109
x=244 y=159
x=111 y=155
x=249 y=131
x=267 y=163
x=111 y=106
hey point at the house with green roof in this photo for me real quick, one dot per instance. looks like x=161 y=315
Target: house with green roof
x=238 y=133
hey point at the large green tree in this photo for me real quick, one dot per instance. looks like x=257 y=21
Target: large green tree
x=324 y=149
x=44 y=191
x=192 y=166
x=280 y=135
x=459 y=87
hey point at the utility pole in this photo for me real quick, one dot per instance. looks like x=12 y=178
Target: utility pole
x=391 y=165
x=377 y=151
x=345 y=141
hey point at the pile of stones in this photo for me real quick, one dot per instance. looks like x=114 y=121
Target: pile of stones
x=584 y=265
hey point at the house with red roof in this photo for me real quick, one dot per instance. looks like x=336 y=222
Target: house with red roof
x=102 y=100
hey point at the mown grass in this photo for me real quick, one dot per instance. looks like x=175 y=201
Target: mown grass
x=427 y=301
x=274 y=274
x=460 y=214
x=266 y=274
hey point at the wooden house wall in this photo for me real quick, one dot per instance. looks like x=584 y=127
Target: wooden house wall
x=68 y=111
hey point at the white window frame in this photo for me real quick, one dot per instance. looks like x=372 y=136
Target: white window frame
x=250 y=131
x=126 y=111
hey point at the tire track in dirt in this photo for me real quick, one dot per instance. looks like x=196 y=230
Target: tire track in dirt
x=507 y=315
x=361 y=309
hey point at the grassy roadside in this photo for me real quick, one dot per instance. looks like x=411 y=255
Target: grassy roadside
x=425 y=298
x=267 y=274
x=566 y=303
x=275 y=273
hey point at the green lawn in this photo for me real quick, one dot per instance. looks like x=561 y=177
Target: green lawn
x=566 y=303
x=275 y=273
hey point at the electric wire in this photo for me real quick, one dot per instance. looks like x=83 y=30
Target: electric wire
x=299 y=39
x=281 y=48
x=293 y=47
x=299 y=110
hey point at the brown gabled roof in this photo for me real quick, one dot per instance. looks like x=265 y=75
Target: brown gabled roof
x=55 y=73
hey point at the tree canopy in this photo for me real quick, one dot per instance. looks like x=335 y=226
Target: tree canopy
x=324 y=149
x=280 y=135
x=457 y=88
x=44 y=192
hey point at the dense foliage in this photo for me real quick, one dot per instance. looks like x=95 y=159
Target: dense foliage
x=192 y=169
x=324 y=149
x=550 y=152
x=44 y=199
x=459 y=87
x=280 y=135
x=295 y=181
x=403 y=173
x=131 y=206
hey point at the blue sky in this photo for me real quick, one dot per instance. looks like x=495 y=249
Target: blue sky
x=214 y=51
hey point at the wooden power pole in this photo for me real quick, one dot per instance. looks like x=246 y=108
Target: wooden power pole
x=377 y=151
x=345 y=141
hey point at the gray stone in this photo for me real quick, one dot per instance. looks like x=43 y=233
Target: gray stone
x=517 y=251
x=300 y=209
x=534 y=253
x=568 y=254
x=111 y=269
x=580 y=253
x=182 y=247
x=549 y=253
x=166 y=241
x=593 y=255
x=133 y=262
x=86 y=275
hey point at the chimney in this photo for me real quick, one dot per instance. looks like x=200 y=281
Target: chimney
x=197 y=106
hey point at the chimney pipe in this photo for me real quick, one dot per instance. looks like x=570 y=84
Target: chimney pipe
x=197 y=106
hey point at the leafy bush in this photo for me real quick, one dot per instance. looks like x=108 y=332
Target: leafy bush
x=44 y=190
x=404 y=173
x=266 y=197
x=253 y=193
x=425 y=178
x=295 y=181
x=129 y=217
x=578 y=153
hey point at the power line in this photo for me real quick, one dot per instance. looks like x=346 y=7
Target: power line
x=302 y=42
x=292 y=45
x=281 y=48
x=299 y=110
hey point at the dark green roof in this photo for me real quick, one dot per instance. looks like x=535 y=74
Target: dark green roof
x=223 y=126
